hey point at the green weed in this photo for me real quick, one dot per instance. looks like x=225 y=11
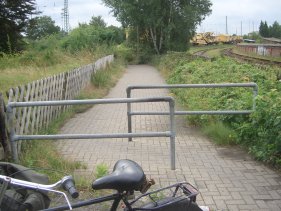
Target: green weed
x=220 y=133
x=101 y=170
x=157 y=196
x=101 y=78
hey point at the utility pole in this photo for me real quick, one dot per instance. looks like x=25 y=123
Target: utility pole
x=226 y=29
x=65 y=17
x=241 y=29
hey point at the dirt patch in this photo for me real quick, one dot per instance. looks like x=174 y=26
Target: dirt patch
x=234 y=152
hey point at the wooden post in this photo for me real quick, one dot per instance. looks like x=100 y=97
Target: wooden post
x=3 y=130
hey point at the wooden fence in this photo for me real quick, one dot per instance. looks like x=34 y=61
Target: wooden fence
x=64 y=86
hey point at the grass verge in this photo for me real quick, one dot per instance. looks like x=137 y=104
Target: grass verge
x=13 y=76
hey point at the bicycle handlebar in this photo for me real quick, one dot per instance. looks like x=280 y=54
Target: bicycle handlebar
x=68 y=184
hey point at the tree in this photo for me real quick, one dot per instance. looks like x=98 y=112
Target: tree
x=164 y=24
x=275 y=30
x=261 y=29
x=270 y=31
x=40 y=27
x=264 y=29
x=13 y=21
x=97 y=22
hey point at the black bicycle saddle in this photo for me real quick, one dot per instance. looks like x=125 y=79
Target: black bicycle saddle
x=127 y=175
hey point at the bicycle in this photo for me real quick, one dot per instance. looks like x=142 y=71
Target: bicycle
x=126 y=178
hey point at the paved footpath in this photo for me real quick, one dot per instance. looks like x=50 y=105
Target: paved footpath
x=227 y=177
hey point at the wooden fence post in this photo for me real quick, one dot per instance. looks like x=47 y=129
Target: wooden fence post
x=3 y=131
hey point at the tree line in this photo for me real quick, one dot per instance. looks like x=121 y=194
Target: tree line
x=266 y=30
x=21 y=25
x=156 y=25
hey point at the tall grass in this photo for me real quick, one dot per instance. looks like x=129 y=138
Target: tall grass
x=220 y=133
x=101 y=79
x=44 y=156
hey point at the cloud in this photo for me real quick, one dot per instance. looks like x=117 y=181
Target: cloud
x=249 y=12
x=80 y=11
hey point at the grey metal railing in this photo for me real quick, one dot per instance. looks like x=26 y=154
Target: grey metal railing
x=254 y=86
x=14 y=137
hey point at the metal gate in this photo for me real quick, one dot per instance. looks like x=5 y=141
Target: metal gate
x=254 y=86
x=15 y=137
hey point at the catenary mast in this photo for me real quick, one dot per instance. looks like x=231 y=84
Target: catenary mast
x=65 y=17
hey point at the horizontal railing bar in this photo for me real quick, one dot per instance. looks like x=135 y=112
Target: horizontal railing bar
x=193 y=86
x=213 y=112
x=194 y=112
x=91 y=136
x=96 y=101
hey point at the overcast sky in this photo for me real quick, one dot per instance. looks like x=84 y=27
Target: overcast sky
x=249 y=12
x=80 y=11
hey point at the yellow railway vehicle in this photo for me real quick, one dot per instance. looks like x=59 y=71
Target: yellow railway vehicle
x=208 y=38
x=223 y=38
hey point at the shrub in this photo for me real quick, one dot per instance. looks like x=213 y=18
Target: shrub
x=260 y=132
x=91 y=37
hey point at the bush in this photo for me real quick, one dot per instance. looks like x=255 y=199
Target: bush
x=260 y=132
x=124 y=52
x=91 y=37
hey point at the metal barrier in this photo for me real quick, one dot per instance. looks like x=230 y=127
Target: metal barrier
x=14 y=137
x=130 y=113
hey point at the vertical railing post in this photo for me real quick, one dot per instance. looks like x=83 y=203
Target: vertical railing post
x=12 y=133
x=128 y=90
x=255 y=94
x=173 y=134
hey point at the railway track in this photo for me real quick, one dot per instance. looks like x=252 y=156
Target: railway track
x=210 y=53
x=250 y=59
x=228 y=52
x=201 y=54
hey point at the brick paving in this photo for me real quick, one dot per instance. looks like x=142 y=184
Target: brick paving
x=227 y=177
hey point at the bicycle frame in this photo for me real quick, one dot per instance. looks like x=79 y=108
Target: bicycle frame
x=116 y=198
